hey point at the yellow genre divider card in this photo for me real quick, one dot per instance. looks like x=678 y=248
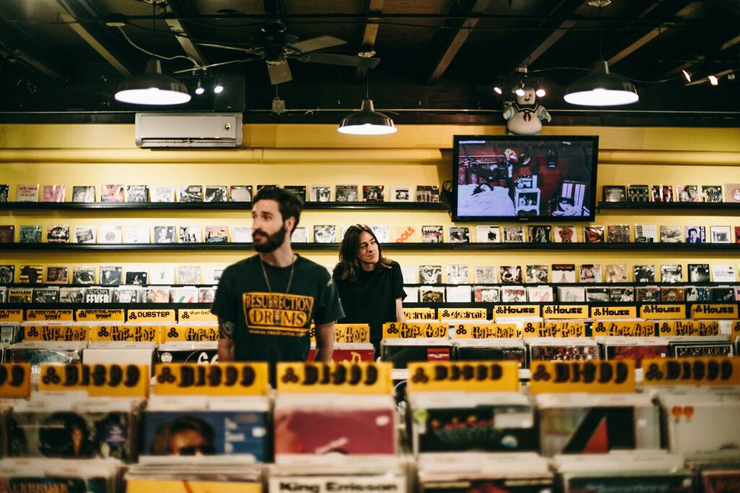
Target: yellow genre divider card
x=556 y=329
x=344 y=378
x=659 y=312
x=196 y=315
x=57 y=333
x=190 y=333
x=463 y=314
x=98 y=380
x=485 y=331
x=151 y=316
x=100 y=315
x=398 y=330
x=613 y=312
x=565 y=311
x=15 y=380
x=350 y=333
x=11 y=315
x=124 y=333
x=217 y=379
x=49 y=315
x=735 y=329
x=190 y=486
x=691 y=371
x=413 y=314
x=618 y=328
x=706 y=311
x=470 y=376
x=583 y=376
x=516 y=311
x=688 y=328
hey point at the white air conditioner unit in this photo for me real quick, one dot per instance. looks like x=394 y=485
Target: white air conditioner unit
x=189 y=129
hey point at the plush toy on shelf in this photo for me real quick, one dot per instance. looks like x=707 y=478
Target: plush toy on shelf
x=524 y=116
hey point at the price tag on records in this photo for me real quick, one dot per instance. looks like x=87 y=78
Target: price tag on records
x=124 y=333
x=735 y=329
x=151 y=316
x=619 y=328
x=565 y=311
x=463 y=314
x=398 y=330
x=583 y=376
x=706 y=311
x=485 y=331
x=56 y=333
x=219 y=379
x=11 y=315
x=660 y=312
x=349 y=333
x=606 y=312
x=98 y=380
x=556 y=329
x=49 y=315
x=343 y=378
x=191 y=333
x=196 y=315
x=15 y=380
x=100 y=315
x=469 y=376
x=417 y=314
x=516 y=311
x=691 y=371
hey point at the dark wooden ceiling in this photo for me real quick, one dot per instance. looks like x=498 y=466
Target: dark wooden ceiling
x=63 y=59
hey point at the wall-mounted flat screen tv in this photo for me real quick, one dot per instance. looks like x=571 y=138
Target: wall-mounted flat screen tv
x=524 y=178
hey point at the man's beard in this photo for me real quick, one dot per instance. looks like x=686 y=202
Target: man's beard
x=273 y=241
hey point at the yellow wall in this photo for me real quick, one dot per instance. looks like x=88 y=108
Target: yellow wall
x=318 y=155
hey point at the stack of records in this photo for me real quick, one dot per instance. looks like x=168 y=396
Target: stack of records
x=490 y=350
x=581 y=423
x=187 y=352
x=51 y=475
x=119 y=353
x=337 y=473
x=195 y=425
x=634 y=348
x=700 y=346
x=561 y=349
x=701 y=422
x=401 y=352
x=43 y=352
x=351 y=352
x=74 y=428
x=471 y=472
x=468 y=421
x=194 y=475
x=652 y=471
x=334 y=423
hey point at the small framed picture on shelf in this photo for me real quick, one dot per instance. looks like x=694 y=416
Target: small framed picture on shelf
x=512 y=234
x=618 y=233
x=373 y=193
x=299 y=190
x=670 y=234
x=163 y=193
x=695 y=234
x=427 y=193
x=190 y=193
x=540 y=233
x=83 y=194
x=112 y=193
x=688 y=193
x=487 y=234
x=53 y=193
x=721 y=234
x=240 y=193
x=615 y=193
x=646 y=233
x=732 y=192
x=662 y=193
x=320 y=193
x=711 y=194
x=565 y=234
x=346 y=193
x=215 y=193
x=401 y=194
x=638 y=193
x=593 y=234
x=137 y=193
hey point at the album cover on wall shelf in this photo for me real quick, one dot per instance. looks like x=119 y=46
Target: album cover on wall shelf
x=7 y=234
x=571 y=294
x=72 y=295
x=459 y=234
x=159 y=294
x=647 y=294
x=111 y=275
x=593 y=234
x=458 y=294
x=85 y=234
x=112 y=193
x=30 y=274
x=537 y=274
x=699 y=273
x=346 y=193
x=485 y=274
x=162 y=274
x=83 y=274
x=711 y=194
x=621 y=295
x=540 y=234
x=83 y=194
x=213 y=273
x=696 y=293
x=614 y=193
x=136 y=234
x=7 y=274
x=125 y=294
x=510 y=274
x=513 y=294
x=430 y=274
x=671 y=273
x=618 y=233
x=56 y=233
x=189 y=234
x=46 y=295
x=432 y=234
x=662 y=193
x=688 y=193
x=163 y=234
x=488 y=234
x=671 y=294
x=540 y=294
x=670 y=234
x=27 y=193
x=382 y=232
x=260 y=187
x=721 y=234
x=723 y=273
x=206 y=295
x=324 y=233
x=486 y=294
x=216 y=234
x=427 y=193
x=721 y=294
x=590 y=273
x=4 y=193
x=97 y=295
x=163 y=193
x=190 y=193
x=56 y=274
x=29 y=233
x=457 y=274
x=110 y=234
x=732 y=192
x=643 y=273
x=137 y=275
x=646 y=233
x=240 y=193
x=565 y=234
x=401 y=194
x=737 y=234
x=598 y=295
x=20 y=295
x=215 y=193
x=320 y=193
x=373 y=193
x=189 y=274
x=563 y=273
x=695 y=234
x=241 y=234
x=615 y=273
x=53 y=193
x=409 y=274
x=512 y=234
x=638 y=193
x=137 y=193
x=403 y=234
x=298 y=190
x=300 y=235
x=184 y=295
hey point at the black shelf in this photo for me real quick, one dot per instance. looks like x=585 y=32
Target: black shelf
x=593 y=247
x=240 y=206
x=700 y=207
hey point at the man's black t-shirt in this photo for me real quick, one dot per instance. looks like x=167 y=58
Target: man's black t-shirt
x=274 y=326
x=371 y=298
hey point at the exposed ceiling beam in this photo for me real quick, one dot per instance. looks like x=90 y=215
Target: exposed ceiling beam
x=456 y=41
x=21 y=44
x=370 y=34
x=184 y=35
x=688 y=11
x=685 y=66
x=96 y=35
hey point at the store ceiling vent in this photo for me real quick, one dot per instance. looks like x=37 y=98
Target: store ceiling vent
x=189 y=129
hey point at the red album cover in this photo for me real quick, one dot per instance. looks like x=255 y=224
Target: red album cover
x=354 y=355
x=721 y=481
x=637 y=353
x=335 y=430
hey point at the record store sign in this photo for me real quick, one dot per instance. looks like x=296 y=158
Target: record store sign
x=15 y=380
x=11 y=315
x=142 y=316
x=196 y=315
x=705 y=311
x=100 y=315
x=343 y=378
x=485 y=331
x=464 y=376
x=221 y=379
x=583 y=376
x=565 y=311
x=691 y=371
x=397 y=330
x=96 y=380
x=49 y=315
x=463 y=314
x=659 y=312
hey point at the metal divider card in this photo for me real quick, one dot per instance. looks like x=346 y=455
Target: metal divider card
x=565 y=311
x=191 y=333
x=220 y=379
x=49 y=315
x=98 y=380
x=196 y=315
x=618 y=328
x=100 y=315
x=463 y=314
x=485 y=331
x=659 y=312
x=57 y=333
x=414 y=314
x=11 y=315
x=583 y=376
x=515 y=311
x=613 y=312
x=707 y=311
x=691 y=371
x=347 y=378
x=398 y=330
x=688 y=328
x=15 y=380
x=470 y=376
x=151 y=316
x=124 y=333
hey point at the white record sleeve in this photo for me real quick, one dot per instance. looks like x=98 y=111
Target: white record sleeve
x=110 y=234
x=162 y=274
x=137 y=233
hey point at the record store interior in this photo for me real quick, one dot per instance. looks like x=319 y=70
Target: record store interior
x=441 y=246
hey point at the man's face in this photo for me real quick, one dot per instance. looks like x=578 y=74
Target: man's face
x=368 y=252
x=187 y=442
x=268 y=228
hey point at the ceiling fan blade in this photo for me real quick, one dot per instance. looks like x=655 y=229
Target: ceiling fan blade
x=317 y=43
x=225 y=47
x=706 y=79
x=220 y=64
x=279 y=73
x=345 y=60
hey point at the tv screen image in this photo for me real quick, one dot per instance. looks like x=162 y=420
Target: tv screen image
x=515 y=178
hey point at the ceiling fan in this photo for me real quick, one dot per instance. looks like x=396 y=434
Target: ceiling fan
x=276 y=47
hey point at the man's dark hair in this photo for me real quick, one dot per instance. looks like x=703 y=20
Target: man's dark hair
x=163 y=436
x=288 y=202
x=348 y=267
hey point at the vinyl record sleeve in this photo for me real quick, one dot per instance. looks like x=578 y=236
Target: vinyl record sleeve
x=187 y=353
x=613 y=482
x=490 y=350
x=401 y=352
x=724 y=480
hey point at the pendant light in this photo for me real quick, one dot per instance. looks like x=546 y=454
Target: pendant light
x=152 y=87
x=367 y=121
x=600 y=87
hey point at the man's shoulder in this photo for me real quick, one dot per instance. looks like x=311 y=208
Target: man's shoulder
x=310 y=267
x=240 y=265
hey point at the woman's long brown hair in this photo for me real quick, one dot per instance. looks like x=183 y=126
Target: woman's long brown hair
x=348 y=267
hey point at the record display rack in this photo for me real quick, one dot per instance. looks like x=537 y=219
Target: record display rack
x=645 y=247
x=47 y=206
x=698 y=207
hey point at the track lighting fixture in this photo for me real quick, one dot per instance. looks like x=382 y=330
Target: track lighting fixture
x=199 y=88
x=498 y=90
x=713 y=80
x=218 y=89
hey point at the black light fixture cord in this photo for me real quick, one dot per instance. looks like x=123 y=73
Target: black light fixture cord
x=601 y=34
x=367 y=84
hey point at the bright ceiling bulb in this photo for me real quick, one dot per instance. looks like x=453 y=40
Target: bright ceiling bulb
x=152 y=88
x=498 y=90
x=218 y=89
x=367 y=121
x=713 y=80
